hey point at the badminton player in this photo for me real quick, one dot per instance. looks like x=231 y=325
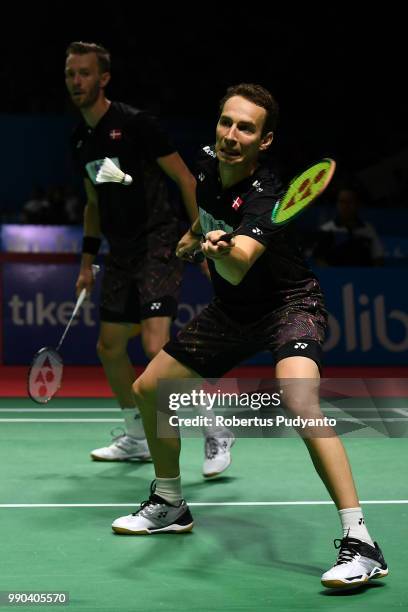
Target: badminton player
x=265 y=299
x=142 y=274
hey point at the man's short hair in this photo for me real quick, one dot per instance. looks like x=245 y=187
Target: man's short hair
x=82 y=48
x=259 y=96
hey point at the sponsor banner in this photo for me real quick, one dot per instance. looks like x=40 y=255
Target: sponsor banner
x=368 y=314
x=43 y=239
x=38 y=300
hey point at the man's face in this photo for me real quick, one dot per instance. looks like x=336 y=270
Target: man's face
x=84 y=80
x=239 y=138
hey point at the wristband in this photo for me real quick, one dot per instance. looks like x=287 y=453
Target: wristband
x=195 y=234
x=91 y=245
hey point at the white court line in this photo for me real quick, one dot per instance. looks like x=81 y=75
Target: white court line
x=59 y=410
x=401 y=411
x=57 y=420
x=254 y=503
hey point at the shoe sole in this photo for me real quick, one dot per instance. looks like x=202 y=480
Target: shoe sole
x=170 y=529
x=215 y=474
x=340 y=584
x=146 y=459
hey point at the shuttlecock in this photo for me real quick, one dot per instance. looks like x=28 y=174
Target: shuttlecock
x=110 y=173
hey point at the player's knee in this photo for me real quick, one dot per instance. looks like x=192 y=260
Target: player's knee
x=143 y=389
x=152 y=345
x=108 y=351
x=303 y=405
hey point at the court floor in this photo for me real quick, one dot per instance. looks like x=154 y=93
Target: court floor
x=263 y=533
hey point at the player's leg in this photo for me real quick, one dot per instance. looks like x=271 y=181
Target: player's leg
x=327 y=453
x=159 y=291
x=155 y=332
x=120 y=316
x=165 y=510
x=112 y=351
x=359 y=559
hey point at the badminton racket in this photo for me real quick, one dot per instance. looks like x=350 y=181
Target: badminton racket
x=45 y=374
x=301 y=192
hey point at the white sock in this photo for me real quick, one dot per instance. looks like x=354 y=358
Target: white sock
x=169 y=489
x=352 y=521
x=211 y=430
x=133 y=423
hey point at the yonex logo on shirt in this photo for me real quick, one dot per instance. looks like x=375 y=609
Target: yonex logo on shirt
x=209 y=151
x=201 y=177
x=301 y=345
x=257 y=231
x=257 y=185
x=155 y=306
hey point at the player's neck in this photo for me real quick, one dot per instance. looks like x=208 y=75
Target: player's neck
x=93 y=114
x=230 y=175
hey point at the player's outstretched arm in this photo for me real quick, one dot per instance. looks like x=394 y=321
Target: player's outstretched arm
x=232 y=259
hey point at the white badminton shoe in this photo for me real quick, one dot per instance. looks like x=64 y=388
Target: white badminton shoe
x=155 y=515
x=357 y=563
x=123 y=448
x=217 y=455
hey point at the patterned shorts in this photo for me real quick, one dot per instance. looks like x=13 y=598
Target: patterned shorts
x=137 y=288
x=213 y=343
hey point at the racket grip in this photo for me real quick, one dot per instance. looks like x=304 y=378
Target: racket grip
x=226 y=237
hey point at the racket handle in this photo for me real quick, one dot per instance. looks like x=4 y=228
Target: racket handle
x=226 y=237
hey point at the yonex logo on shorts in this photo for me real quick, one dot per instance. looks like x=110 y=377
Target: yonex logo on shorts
x=257 y=231
x=201 y=177
x=300 y=345
x=155 y=306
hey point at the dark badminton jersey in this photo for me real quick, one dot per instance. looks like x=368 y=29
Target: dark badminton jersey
x=133 y=139
x=280 y=277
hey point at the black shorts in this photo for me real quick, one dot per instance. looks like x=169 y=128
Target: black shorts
x=137 y=288
x=212 y=343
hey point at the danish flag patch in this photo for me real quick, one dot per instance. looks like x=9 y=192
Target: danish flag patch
x=237 y=203
x=115 y=134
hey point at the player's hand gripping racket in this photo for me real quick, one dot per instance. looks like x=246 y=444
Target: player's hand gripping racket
x=45 y=374
x=302 y=191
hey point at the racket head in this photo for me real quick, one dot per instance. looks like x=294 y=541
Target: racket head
x=45 y=375
x=303 y=190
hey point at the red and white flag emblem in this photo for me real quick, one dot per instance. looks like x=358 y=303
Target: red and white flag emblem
x=115 y=134
x=237 y=203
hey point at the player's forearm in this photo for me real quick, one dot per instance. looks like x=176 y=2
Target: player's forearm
x=234 y=266
x=92 y=234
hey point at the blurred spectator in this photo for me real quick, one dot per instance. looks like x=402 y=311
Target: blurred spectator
x=348 y=240
x=58 y=205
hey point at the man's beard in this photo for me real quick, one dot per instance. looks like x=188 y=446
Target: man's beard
x=89 y=99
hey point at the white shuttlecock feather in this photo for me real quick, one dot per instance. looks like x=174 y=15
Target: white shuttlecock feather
x=110 y=173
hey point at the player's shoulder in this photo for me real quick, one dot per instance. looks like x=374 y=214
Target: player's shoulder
x=206 y=161
x=125 y=111
x=267 y=182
